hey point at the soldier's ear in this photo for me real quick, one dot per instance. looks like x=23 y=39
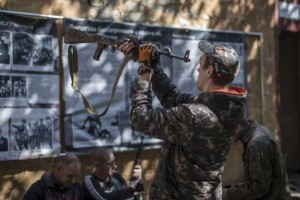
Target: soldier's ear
x=210 y=71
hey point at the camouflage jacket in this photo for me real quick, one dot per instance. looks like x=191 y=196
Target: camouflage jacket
x=264 y=168
x=197 y=131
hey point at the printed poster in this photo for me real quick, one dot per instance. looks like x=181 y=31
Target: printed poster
x=96 y=78
x=29 y=87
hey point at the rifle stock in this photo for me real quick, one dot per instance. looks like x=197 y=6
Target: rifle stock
x=76 y=36
x=73 y=36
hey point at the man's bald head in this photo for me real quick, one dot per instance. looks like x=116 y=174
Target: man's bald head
x=100 y=154
x=66 y=160
x=67 y=169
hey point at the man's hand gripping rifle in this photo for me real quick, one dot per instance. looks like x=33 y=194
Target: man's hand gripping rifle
x=74 y=36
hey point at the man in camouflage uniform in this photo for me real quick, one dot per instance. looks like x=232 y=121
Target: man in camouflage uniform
x=265 y=174
x=197 y=130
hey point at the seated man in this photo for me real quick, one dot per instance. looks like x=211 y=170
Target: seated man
x=264 y=168
x=106 y=183
x=60 y=183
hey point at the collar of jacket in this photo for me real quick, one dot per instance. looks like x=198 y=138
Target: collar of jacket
x=232 y=90
x=52 y=182
x=245 y=134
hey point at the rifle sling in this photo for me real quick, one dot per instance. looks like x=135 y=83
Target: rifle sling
x=73 y=68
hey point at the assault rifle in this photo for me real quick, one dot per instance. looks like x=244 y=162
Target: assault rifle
x=73 y=36
x=137 y=161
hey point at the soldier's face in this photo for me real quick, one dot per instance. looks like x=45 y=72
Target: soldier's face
x=202 y=76
x=68 y=174
x=107 y=168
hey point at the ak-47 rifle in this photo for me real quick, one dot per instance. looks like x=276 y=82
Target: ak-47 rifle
x=137 y=161
x=74 y=36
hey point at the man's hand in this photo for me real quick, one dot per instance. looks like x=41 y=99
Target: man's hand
x=148 y=54
x=126 y=47
x=136 y=172
x=136 y=181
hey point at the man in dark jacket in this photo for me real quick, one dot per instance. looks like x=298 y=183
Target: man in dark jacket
x=61 y=184
x=106 y=183
x=197 y=130
x=264 y=167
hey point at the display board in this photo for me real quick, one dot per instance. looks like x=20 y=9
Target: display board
x=96 y=78
x=29 y=87
x=30 y=83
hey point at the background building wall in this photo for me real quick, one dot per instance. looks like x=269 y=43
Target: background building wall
x=251 y=16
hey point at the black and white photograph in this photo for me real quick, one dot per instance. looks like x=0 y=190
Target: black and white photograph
x=29 y=91
x=33 y=52
x=23 y=46
x=42 y=54
x=19 y=135
x=32 y=134
x=19 y=86
x=4 y=48
x=90 y=130
x=3 y=140
x=5 y=86
x=93 y=125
